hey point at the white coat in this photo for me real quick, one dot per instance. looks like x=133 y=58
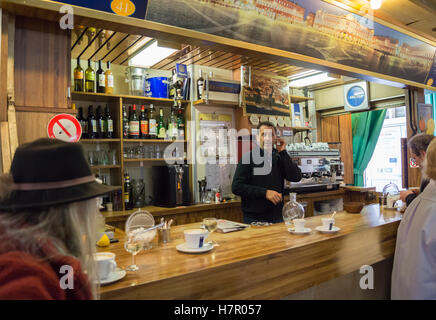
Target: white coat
x=414 y=271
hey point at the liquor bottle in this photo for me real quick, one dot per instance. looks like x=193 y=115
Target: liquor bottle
x=83 y=123
x=173 y=82
x=109 y=123
x=106 y=196
x=125 y=124
x=180 y=122
x=173 y=129
x=109 y=78
x=79 y=78
x=152 y=123
x=89 y=78
x=143 y=123
x=161 y=132
x=101 y=82
x=133 y=124
x=92 y=124
x=100 y=123
x=200 y=86
x=128 y=192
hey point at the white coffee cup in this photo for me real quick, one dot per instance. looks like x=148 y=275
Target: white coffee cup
x=299 y=224
x=195 y=238
x=328 y=223
x=106 y=264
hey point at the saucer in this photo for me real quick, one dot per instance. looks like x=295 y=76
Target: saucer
x=118 y=274
x=205 y=248
x=305 y=231
x=325 y=230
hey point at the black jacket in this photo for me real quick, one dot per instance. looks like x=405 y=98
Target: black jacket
x=252 y=188
x=412 y=196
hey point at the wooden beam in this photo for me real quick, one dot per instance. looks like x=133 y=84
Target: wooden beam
x=3 y=65
x=6 y=150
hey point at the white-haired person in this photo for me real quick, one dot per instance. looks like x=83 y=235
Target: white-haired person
x=414 y=271
x=48 y=209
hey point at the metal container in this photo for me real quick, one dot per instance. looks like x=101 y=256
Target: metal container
x=164 y=235
x=136 y=76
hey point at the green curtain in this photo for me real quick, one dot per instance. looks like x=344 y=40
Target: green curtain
x=366 y=127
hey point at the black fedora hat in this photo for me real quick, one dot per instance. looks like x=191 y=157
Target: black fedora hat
x=49 y=172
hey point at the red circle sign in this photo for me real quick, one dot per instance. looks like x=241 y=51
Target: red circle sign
x=64 y=127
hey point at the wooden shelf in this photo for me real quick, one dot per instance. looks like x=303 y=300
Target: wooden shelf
x=151 y=159
x=106 y=166
x=99 y=140
x=153 y=140
x=302 y=129
x=217 y=103
x=90 y=96
x=297 y=99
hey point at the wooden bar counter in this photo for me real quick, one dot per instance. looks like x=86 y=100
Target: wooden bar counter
x=258 y=263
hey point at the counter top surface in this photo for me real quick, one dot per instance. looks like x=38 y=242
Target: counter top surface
x=257 y=262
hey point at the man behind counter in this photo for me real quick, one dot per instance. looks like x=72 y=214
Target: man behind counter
x=260 y=174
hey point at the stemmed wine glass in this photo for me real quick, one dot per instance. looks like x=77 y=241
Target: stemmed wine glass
x=211 y=225
x=133 y=244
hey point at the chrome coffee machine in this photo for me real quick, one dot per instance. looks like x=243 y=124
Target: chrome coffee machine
x=322 y=170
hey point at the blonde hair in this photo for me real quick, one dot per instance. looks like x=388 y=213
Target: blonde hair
x=70 y=228
x=430 y=161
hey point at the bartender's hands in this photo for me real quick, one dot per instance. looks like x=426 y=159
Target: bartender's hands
x=404 y=194
x=280 y=144
x=273 y=196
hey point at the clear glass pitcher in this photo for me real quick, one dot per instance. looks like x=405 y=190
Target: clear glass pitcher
x=292 y=209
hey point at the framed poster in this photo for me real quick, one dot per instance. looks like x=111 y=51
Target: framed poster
x=425 y=118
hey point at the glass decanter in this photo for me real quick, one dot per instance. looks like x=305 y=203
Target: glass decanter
x=292 y=209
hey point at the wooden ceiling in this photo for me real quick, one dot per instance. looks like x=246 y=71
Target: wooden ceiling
x=116 y=47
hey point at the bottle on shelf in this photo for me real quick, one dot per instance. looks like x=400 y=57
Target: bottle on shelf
x=180 y=122
x=152 y=123
x=200 y=85
x=143 y=123
x=106 y=196
x=89 y=78
x=100 y=123
x=172 y=94
x=133 y=124
x=109 y=79
x=101 y=82
x=125 y=124
x=109 y=124
x=161 y=126
x=83 y=123
x=79 y=78
x=128 y=192
x=92 y=124
x=173 y=130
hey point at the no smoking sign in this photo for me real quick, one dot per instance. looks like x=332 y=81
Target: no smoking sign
x=64 y=127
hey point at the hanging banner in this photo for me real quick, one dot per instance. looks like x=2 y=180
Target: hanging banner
x=313 y=28
x=127 y=8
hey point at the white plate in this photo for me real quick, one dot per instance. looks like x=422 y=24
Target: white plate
x=305 y=231
x=118 y=274
x=183 y=248
x=325 y=230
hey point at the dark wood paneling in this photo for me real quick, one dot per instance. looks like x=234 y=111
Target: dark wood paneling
x=42 y=64
x=346 y=139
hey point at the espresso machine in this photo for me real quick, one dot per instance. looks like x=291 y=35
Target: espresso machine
x=322 y=170
x=171 y=185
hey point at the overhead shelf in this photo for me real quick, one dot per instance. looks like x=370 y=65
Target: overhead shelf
x=153 y=159
x=153 y=140
x=106 y=166
x=99 y=140
x=92 y=96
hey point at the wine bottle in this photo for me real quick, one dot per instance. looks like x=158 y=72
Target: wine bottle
x=109 y=78
x=200 y=86
x=79 y=79
x=172 y=124
x=109 y=123
x=83 y=123
x=101 y=133
x=89 y=78
x=173 y=83
x=92 y=124
x=133 y=124
x=161 y=132
x=125 y=124
x=152 y=123
x=128 y=192
x=180 y=122
x=143 y=123
x=101 y=83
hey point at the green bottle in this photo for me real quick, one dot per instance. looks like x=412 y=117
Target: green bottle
x=161 y=126
x=89 y=78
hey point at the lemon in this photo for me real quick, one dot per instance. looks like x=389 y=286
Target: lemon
x=104 y=241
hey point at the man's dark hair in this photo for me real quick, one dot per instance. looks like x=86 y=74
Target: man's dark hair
x=267 y=124
x=419 y=143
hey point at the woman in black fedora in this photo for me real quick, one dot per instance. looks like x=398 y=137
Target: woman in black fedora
x=48 y=208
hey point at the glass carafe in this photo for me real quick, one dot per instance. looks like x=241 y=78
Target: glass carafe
x=292 y=209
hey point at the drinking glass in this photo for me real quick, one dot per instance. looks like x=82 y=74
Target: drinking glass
x=158 y=151
x=103 y=158
x=92 y=159
x=133 y=244
x=211 y=225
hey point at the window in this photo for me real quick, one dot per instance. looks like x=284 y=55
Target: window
x=385 y=164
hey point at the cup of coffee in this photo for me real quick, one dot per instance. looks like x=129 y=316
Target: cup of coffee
x=299 y=224
x=195 y=238
x=328 y=223
x=106 y=264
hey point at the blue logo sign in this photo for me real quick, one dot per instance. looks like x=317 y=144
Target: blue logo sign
x=355 y=96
